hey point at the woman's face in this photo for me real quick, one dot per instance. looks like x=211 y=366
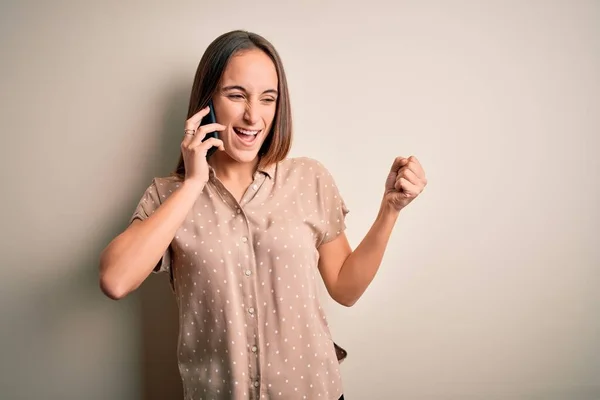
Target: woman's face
x=245 y=102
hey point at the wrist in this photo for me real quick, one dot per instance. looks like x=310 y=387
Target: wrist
x=388 y=212
x=194 y=185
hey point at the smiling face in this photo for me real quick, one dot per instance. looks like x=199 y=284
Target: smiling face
x=246 y=102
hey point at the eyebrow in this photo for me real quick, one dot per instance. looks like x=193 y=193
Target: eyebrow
x=237 y=87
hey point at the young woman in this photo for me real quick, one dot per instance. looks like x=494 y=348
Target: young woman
x=245 y=233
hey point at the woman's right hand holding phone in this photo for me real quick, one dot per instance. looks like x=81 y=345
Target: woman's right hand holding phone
x=194 y=150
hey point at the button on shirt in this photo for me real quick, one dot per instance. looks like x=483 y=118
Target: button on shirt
x=245 y=280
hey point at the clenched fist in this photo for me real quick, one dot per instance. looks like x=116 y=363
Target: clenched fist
x=405 y=182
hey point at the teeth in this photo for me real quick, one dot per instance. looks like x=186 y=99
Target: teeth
x=246 y=132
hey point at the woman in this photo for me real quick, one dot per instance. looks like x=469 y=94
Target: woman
x=244 y=234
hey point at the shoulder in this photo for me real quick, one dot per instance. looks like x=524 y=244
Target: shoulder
x=307 y=166
x=308 y=175
x=162 y=187
x=167 y=181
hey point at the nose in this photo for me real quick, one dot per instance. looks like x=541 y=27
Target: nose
x=251 y=114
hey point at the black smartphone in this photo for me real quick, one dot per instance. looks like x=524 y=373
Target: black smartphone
x=210 y=119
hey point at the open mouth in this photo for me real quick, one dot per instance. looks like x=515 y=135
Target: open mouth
x=246 y=136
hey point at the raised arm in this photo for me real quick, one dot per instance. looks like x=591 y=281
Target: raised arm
x=130 y=257
x=347 y=273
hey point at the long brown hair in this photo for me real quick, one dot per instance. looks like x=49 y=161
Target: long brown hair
x=208 y=75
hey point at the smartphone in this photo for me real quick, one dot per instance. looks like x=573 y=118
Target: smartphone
x=210 y=119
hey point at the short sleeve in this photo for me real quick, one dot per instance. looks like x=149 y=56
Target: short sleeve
x=331 y=206
x=149 y=202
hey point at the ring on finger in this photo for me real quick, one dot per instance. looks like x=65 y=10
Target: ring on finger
x=190 y=132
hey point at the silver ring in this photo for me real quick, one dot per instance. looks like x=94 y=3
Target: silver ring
x=190 y=130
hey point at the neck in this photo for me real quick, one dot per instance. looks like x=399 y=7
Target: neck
x=229 y=170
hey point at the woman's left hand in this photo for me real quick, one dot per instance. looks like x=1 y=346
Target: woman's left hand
x=404 y=183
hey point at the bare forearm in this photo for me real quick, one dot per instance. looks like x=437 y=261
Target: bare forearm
x=130 y=257
x=360 y=267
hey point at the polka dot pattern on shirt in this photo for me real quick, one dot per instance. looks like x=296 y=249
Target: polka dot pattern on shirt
x=245 y=279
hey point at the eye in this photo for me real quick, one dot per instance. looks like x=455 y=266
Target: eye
x=235 y=96
x=269 y=100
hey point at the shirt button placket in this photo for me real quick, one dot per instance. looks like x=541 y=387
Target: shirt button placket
x=249 y=298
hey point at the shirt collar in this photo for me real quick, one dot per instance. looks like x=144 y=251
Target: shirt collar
x=268 y=170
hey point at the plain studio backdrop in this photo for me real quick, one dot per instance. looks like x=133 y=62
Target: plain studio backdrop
x=489 y=287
